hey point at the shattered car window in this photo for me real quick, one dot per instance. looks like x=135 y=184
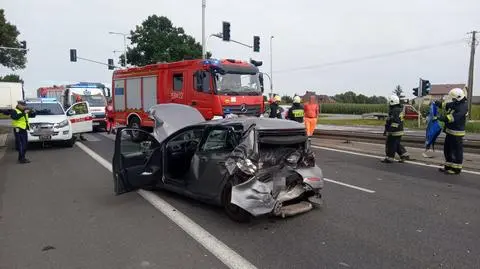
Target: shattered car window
x=218 y=140
x=129 y=146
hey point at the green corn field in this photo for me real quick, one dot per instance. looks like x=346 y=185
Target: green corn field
x=359 y=109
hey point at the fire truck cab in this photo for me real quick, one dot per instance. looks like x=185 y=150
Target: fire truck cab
x=212 y=86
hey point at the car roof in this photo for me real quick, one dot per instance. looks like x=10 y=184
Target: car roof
x=260 y=122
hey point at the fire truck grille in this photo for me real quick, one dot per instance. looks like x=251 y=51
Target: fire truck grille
x=250 y=110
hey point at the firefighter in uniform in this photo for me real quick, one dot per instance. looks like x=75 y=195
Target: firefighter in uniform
x=275 y=108
x=455 y=118
x=20 y=116
x=296 y=112
x=394 y=131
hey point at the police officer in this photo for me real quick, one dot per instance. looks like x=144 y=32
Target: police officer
x=20 y=116
x=455 y=117
x=394 y=131
x=296 y=112
x=275 y=108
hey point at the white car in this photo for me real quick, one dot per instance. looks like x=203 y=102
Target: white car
x=53 y=123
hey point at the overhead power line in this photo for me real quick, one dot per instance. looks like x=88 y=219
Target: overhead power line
x=371 y=57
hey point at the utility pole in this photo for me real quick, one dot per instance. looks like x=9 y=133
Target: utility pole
x=271 y=67
x=470 y=74
x=204 y=5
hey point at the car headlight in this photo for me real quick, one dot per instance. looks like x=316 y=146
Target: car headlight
x=61 y=124
x=247 y=166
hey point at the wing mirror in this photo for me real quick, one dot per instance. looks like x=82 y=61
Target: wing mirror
x=71 y=113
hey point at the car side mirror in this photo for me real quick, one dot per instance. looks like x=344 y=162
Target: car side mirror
x=71 y=113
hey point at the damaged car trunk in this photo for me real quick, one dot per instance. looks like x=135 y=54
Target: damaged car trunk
x=274 y=172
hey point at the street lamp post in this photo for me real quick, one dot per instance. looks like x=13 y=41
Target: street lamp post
x=124 y=44
x=204 y=5
x=271 y=67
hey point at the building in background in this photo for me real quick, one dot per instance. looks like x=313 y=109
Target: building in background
x=439 y=90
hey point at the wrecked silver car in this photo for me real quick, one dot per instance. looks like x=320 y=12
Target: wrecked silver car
x=250 y=166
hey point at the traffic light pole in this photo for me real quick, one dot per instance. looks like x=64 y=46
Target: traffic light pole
x=419 y=102
x=204 y=50
x=10 y=48
x=231 y=40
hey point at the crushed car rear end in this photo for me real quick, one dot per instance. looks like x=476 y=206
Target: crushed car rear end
x=273 y=170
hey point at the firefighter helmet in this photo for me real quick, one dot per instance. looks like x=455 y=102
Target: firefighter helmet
x=393 y=100
x=456 y=94
x=297 y=99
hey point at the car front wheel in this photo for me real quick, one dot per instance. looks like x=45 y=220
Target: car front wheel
x=233 y=211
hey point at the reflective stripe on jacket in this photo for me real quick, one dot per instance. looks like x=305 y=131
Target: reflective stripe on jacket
x=394 y=123
x=21 y=122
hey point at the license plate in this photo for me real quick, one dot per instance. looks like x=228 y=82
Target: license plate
x=96 y=123
x=45 y=137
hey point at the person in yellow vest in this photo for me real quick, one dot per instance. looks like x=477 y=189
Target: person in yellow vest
x=21 y=126
x=296 y=112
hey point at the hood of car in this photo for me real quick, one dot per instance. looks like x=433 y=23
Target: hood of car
x=170 y=118
x=47 y=119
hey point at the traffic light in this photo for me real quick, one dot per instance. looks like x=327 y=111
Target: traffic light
x=426 y=86
x=415 y=92
x=226 y=31
x=73 y=55
x=110 y=64
x=23 y=45
x=256 y=43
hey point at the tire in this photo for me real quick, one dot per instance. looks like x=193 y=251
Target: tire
x=234 y=212
x=70 y=143
x=134 y=123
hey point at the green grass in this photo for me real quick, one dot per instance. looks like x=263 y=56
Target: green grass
x=3 y=117
x=472 y=127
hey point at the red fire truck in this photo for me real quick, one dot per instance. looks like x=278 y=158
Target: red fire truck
x=212 y=86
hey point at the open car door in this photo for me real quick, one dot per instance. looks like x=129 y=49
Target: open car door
x=136 y=164
x=80 y=117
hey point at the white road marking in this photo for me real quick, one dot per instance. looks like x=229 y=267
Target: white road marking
x=91 y=137
x=348 y=185
x=225 y=254
x=379 y=157
x=109 y=136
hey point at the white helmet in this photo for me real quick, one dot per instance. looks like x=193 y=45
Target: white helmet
x=456 y=94
x=297 y=99
x=393 y=100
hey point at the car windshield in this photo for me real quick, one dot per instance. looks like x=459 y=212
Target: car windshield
x=92 y=100
x=46 y=109
x=238 y=84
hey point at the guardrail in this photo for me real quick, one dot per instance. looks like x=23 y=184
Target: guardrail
x=469 y=145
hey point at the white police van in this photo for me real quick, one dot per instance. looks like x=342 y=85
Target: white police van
x=53 y=123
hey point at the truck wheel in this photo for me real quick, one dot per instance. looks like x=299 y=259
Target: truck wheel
x=136 y=136
x=233 y=211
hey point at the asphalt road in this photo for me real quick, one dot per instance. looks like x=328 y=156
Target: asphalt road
x=387 y=216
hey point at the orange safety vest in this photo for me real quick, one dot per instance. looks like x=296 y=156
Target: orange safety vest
x=311 y=110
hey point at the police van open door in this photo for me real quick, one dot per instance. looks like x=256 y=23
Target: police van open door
x=80 y=117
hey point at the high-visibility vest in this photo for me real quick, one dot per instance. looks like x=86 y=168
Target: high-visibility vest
x=21 y=123
x=311 y=110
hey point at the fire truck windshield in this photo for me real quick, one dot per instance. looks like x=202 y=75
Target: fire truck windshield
x=238 y=84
